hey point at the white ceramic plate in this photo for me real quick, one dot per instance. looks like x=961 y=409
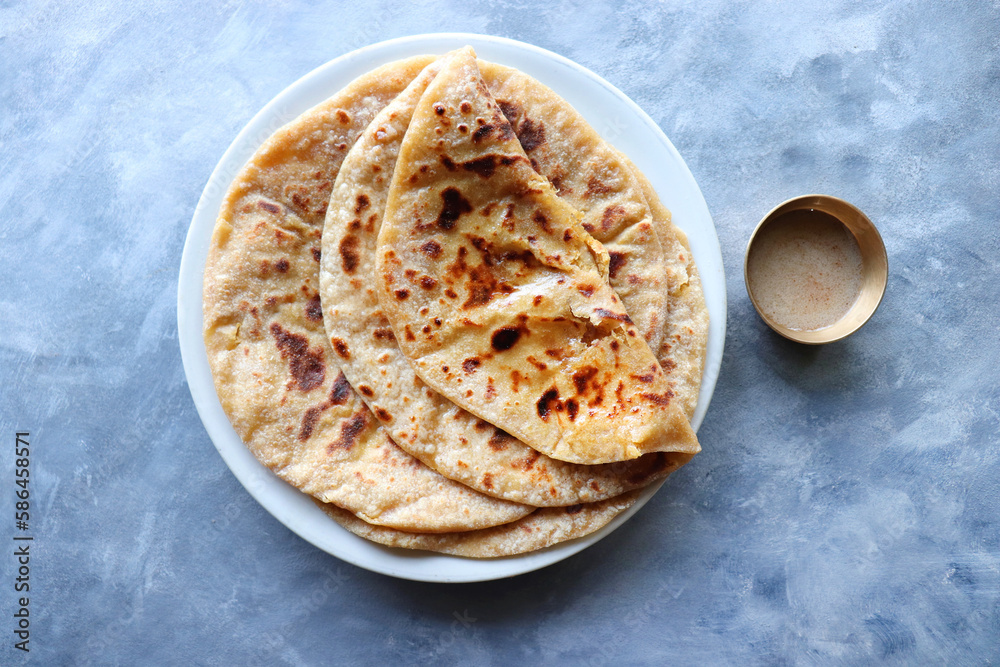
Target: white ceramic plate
x=609 y=111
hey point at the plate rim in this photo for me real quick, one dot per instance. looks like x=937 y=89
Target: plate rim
x=295 y=509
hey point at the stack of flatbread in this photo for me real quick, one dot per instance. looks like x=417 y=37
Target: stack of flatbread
x=443 y=306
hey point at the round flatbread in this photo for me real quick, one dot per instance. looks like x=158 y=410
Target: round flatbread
x=430 y=427
x=542 y=528
x=275 y=372
x=682 y=351
x=596 y=180
x=499 y=297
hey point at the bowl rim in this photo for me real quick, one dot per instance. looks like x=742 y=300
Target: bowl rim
x=873 y=254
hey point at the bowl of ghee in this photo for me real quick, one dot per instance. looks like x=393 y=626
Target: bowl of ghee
x=816 y=269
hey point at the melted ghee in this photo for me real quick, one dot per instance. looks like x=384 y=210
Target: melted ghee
x=804 y=269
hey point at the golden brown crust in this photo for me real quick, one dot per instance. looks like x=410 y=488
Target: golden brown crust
x=592 y=177
x=513 y=319
x=316 y=432
x=540 y=529
x=275 y=372
x=686 y=336
x=446 y=438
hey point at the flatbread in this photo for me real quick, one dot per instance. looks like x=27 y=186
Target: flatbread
x=422 y=422
x=540 y=529
x=274 y=370
x=656 y=278
x=499 y=297
x=597 y=180
x=684 y=345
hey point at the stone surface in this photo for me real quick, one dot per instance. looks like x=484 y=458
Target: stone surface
x=846 y=508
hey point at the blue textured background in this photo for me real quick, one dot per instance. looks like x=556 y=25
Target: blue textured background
x=846 y=507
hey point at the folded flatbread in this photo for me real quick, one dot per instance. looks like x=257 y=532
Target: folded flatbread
x=651 y=269
x=598 y=181
x=422 y=422
x=275 y=372
x=499 y=297
x=682 y=350
x=542 y=528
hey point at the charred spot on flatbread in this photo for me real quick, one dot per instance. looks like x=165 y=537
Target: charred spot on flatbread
x=305 y=363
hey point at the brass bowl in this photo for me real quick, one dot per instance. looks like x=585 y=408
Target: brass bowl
x=874 y=268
